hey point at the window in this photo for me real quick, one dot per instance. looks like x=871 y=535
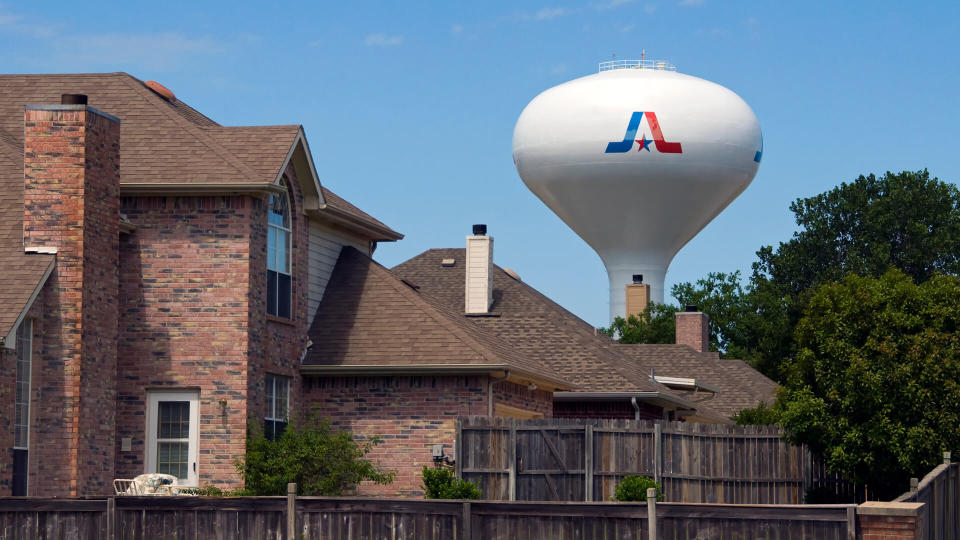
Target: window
x=278 y=255
x=172 y=433
x=278 y=406
x=21 y=421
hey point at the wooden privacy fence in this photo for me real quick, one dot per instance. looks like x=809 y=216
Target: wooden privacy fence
x=940 y=490
x=280 y=518
x=582 y=460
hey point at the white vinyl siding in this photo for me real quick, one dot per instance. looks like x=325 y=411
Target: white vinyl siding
x=325 y=245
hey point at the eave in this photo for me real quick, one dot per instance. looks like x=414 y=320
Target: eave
x=339 y=217
x=193 y=188
x=10 y=340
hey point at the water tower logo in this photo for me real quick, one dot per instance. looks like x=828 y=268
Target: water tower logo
x=662 y=146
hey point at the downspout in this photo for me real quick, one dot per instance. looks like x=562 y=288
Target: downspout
x=490 y=391
x=636 y=408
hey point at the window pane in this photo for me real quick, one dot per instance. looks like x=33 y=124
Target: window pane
x=271 y=292
x=283 y=390
x=283 y=258
x=272 y=248
x=270 y=385
x=172 y=458
x=174 y=420
x=283 y=295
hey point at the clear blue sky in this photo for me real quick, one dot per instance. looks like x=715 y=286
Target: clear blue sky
x=409 y=107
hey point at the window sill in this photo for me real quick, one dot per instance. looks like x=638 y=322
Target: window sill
x=281 y=320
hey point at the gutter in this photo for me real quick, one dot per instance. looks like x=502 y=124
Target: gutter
x=144 y=188
x=617 y=396
x=497 y=371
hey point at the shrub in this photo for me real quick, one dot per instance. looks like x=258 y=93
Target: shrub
x=213 y=491
x=322 y=461
x=761 y=415
x=634 y=488
x=440 y=483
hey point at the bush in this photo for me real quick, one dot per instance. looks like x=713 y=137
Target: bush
x=634 y=488
x=761 y=415
x=322 y=461
x=440 y=483
x=212 y=491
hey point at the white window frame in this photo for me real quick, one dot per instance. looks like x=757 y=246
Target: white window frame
x=271 y=414
x=288 y=235
x=153 y=409
x=24 y=349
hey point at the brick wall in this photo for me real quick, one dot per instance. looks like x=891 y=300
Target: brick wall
x=71 y=180
x=276 y=344
x=520 y=396
x=411 y=414
x=8 y=374
x=185 y=280
x=891 y=521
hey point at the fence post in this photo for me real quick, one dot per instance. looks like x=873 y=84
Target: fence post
x=467 y=532
x=111 y=518
x=588 y=463
x=652 y=513
x=808 y=471
x=291 y=511
x=852 y=522
x=658 y=452
x=513 y=461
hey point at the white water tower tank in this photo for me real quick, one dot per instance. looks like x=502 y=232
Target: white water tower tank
x=637 y=159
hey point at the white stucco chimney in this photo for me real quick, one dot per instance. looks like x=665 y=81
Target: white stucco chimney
x=479 y=270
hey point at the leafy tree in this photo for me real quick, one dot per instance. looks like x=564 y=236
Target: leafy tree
x=655 y=325
x=875 y=384
x=440 y=483
x=634 y=489
x=322 y=461
x=906 y=220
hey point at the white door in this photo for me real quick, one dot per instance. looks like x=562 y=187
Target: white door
x=172 y=434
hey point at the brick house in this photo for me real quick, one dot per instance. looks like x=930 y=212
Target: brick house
x=167 y=280
x=402 y=353
x=160 y=273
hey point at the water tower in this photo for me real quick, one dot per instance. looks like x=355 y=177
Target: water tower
x=637 y=159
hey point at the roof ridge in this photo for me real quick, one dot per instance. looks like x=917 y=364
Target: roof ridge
x=193 y=129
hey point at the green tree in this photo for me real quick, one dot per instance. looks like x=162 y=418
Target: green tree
x=655 y=325
x=906 y=220
x=322 y=461
x=875 y=384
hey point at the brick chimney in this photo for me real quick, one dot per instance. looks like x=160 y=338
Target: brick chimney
x=479 y=270
x=638 y=296
x=693 y=329
x=71 y=208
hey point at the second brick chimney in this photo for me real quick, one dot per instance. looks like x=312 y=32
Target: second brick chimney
x=637 y=295
x=693 y=329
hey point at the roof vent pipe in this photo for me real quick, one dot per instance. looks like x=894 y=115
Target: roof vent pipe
x=73 y=99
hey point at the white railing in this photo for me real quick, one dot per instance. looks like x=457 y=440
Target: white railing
x=659 y=65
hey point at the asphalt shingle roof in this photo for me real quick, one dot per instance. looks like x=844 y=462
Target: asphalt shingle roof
x=532 y=323
x=370 y=317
